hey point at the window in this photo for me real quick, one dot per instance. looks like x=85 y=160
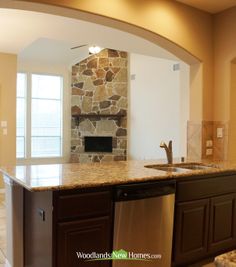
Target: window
x=39 y=116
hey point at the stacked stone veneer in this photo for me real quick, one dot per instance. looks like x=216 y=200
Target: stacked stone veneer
x=99 y=86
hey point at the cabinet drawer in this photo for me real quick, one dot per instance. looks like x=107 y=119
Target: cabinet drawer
x=203 y=188
x=83 y=204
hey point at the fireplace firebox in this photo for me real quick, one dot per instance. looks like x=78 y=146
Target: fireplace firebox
x=98 y=144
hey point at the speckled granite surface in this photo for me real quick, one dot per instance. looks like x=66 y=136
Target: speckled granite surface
x=75 y=175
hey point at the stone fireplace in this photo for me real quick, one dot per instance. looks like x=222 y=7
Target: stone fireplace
x=99 y=107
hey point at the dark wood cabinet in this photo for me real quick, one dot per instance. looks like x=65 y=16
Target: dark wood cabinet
x=191 y=230
x=83 y=223
x=83 y=236
x=205 y=218
x=222 y=230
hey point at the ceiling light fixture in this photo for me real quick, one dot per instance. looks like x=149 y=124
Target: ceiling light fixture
x=94 y=49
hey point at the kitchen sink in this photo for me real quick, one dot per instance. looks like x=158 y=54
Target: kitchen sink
x=180 y=167
x=168 y=168
x=197 y=167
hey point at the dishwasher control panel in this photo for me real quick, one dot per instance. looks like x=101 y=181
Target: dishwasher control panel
x=144 y=190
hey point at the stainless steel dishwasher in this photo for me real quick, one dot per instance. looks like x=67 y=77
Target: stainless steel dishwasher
x=144 y=215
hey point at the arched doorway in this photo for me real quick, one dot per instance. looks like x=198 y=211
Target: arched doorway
x=197 y=68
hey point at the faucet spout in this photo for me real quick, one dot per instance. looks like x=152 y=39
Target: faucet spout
x=168 y=150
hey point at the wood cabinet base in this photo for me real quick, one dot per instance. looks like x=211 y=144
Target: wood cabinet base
x=205 y=219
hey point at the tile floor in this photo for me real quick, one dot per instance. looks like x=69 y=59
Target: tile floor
x=209 y=265
x=2 y=231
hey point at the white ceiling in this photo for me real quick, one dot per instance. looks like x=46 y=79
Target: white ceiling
x=45 y=37
x=52 y=51
x=211 y=6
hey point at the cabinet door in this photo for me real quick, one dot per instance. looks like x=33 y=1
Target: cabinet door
x=191 y=230
x=87 y=236
x=222 y=231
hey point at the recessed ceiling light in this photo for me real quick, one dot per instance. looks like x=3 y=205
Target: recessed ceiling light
x=94 y=49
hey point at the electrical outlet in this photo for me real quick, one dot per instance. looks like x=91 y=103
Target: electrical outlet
x=209 y=143
x=209 y=151
x=219 y=132
x=3 y=124
x=4 y=131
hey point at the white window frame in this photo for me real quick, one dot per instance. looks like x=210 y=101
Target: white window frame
x=25 y=129
x=28 y=159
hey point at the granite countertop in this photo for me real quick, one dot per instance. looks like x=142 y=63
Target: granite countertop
x=82 y=175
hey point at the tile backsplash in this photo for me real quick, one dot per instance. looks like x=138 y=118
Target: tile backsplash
x=199 y=133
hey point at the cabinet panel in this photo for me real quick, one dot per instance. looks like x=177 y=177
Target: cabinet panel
x=83 y=204
x=205 y=187
x=191 y=230
x=87 y=235
x=222 y=234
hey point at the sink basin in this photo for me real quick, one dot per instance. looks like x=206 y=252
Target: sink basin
x=180 y=167
x=197 y=167
x=169 y=169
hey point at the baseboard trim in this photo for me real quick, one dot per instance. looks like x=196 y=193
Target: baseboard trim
x=2 y=190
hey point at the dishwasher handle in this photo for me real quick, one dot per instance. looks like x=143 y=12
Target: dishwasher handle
x=144 y=190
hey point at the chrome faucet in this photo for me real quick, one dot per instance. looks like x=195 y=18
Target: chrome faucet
x=169 y=152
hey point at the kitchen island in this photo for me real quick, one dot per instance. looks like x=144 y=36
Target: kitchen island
x=51 y=207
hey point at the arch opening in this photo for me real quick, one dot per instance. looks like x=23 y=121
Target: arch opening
x=196 y=67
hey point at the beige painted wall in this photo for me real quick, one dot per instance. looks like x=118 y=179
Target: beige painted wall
x=177 y=27
x=232 y=109
x=225 y=73
x=224 y=53
x=8 y=66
